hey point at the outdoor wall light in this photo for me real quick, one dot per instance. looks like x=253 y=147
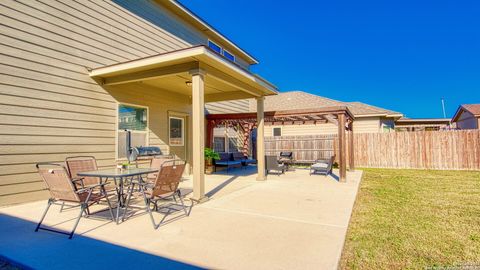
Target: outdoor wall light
x=188 y=83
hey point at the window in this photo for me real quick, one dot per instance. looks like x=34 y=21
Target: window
x=229 y=56
x=388 y=126
x=135 y=119
x=176 y=137
x=277 y=131
x=219 y=144
x=214 y=47
x=232 y=145
x=217 y=48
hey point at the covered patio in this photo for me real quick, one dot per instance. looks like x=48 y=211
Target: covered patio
x=300 y=222
x=338 y=115
x=178 y=84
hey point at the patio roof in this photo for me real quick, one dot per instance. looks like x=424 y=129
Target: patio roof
x=170 y=71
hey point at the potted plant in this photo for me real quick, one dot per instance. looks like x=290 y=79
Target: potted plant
x=123 y=166
x=210 y=155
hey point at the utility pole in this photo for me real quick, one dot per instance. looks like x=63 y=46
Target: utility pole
x=443 y=108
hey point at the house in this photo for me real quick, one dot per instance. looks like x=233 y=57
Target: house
x=467 y=117
x=422 y=124
x=368 y=118
x=75 y=75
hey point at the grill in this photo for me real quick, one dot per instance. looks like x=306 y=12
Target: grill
x=286 y=155
x=143 y=151
x=134 y=153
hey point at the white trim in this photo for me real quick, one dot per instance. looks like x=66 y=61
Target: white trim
x=273 y=131
x=147 y=131
x=183 y=131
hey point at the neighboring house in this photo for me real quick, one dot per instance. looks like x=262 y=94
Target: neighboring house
x=422 y=124
x=75 y=74
x=467 y=117
x=368 y=118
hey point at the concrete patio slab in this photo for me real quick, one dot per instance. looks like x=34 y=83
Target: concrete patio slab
x=294 y=221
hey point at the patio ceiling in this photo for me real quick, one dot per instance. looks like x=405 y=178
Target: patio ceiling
x=171 y=71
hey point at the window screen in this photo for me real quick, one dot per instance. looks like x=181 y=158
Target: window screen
x=232 y=145
x=277 y=131
x=176 y=131
x=219 y=144
x=132 y=118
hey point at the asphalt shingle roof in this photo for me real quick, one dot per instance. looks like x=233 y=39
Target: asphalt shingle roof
x=297 y=100
x=472 y=108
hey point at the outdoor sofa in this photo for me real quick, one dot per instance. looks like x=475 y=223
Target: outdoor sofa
x=226 y=160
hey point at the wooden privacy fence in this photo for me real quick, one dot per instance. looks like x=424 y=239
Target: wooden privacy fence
x=455 y=150
x=305 y=148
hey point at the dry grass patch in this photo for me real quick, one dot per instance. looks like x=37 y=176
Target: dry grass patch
x=414 y=219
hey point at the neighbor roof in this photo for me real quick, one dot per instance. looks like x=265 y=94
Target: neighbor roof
x=471 y=108
x=405 y=120
x=295 y=100
x=298 y=100
x=362 y=109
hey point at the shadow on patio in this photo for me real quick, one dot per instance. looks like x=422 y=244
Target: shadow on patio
x=46 y=250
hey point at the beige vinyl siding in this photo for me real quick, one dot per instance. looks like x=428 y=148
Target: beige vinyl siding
x=230 y=106
x=360 y=125
x=171 y=23
x=305 y=129
x=367 y=125
x=49 y=106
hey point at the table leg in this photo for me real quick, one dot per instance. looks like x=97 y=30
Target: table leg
x=119 y=188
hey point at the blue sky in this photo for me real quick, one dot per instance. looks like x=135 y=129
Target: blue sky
x=401 y=55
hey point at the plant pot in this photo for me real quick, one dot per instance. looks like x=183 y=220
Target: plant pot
x=208 y=169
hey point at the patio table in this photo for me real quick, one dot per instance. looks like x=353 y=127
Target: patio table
x=119 y=176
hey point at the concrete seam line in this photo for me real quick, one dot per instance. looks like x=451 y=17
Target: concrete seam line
x=273 y=217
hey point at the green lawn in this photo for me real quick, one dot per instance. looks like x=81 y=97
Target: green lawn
x=414 y=219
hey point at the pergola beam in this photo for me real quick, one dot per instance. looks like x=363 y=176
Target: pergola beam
x=299 y=114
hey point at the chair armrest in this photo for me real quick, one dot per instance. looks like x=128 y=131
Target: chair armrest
x=90 y=187
x=77 y=179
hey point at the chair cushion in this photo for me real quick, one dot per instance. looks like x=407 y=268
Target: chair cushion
x=319 y=166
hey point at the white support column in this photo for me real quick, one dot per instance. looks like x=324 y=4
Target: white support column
x=198 y=134
x=260 y=139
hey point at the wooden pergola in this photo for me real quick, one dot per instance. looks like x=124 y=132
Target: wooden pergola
x=338 y=115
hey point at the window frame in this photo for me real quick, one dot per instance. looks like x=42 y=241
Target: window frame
x=117 y=126
x=214 y=43
x=273 y=132
x=234 y=57
x=224 y=143
x=183 y=131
